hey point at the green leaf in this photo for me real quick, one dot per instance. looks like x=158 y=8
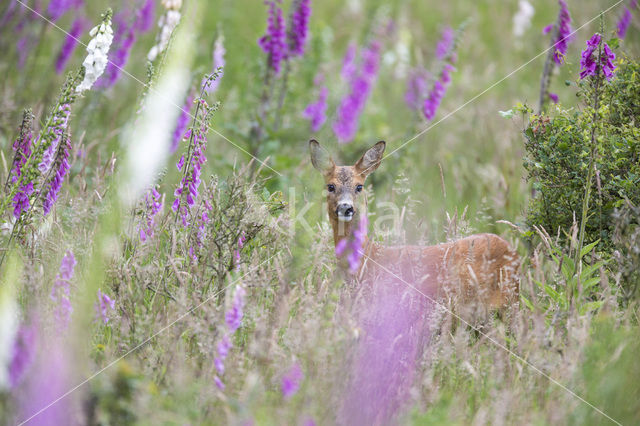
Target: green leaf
x=590 y=306
x=527 y=303
x=586 y=249
x=507 y=114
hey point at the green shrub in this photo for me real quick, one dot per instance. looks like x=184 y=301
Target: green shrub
x=558 y=149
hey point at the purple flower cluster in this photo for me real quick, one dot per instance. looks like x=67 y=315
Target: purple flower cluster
x=625 y=19
x=291 y=381
x=218 y=64
x=554 y=97
x=22 y=354
x=145 y=16
x=563 y=35
x=192 y=170
x=181 y=124
x=21 y=201
x=22 y=148
x=233 y=321
x=123 y=40
x=316 y=112
x=417 y=88
x=433 y=100
x=103 y=306
x=57 y=8
x=70 y=43
x=298 y=27
x=241 y=240
x=201 y=234
x=61 y=290
x=61 y=166
x=57 y=129
x=361 y=83
x=273 y=43
x=153 y=205
x=355 y=246
x=589 y=65
x=445 y=45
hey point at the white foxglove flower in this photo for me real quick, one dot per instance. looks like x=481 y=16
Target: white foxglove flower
x=522 y=18
x=167 y=23
x=98 y=48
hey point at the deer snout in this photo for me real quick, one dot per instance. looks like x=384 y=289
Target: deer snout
x=345 y=212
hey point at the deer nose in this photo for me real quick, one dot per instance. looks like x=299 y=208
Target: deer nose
x=345 y=210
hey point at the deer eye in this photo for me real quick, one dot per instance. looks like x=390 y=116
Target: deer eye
x=358 y=188
x=331 y=187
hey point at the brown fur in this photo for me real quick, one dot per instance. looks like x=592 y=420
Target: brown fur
x=481 y=267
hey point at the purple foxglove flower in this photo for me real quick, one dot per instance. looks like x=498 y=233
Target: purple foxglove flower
x=57 y=8
x=219 y=364
x=433 y=100
x=224 y=346
x=57 y=129
x=145 y=17
x=547 y=29
x=553 y=97
x=291 y=381
x=22 y=147
x=623 y=23
x=349 y=67
x=417 y=89
x=103 y=306
x=445 y=45
x=123 y=43
x=298 y=27
x=181 y=125
x=361 y=82
x=241 y=240
x=273 y=43
x=218 y=63
x=218 y=382
x=70 y=43
x=235 y=314
x=563 y=35
x=23 y=353
x=53 y=186
x=589 y=61
x=341 y=246
x=153 y=205
x=23 y=45
x=316 y=112
x=61 y=290
x=21 y=201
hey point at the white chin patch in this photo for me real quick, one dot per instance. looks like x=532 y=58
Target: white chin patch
x=345 y=218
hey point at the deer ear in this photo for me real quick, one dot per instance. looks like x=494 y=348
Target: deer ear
x=371 y=159
x=320 y=158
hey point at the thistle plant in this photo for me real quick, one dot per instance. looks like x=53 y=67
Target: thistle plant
x=560 y=39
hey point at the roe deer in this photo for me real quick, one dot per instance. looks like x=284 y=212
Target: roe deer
x=481 y=267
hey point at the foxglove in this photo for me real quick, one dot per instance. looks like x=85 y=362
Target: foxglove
x=181 y=124
x=361 y=84
x=97 y=49
x=233 y=319
x=624 y=22
x=61 y=290
x=218 y=65
x=23 y=353
x=354 y=248
x=103 y=306
x=563 y=33
x=273 y=42
x=70 y=44
x=298 y=27
x=589 y=65
x=167 y=23
x=316 y=112
x=153 y=205
x=291 y=381
x=51 y=188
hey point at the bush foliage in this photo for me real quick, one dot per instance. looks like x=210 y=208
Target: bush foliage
x=557 y=159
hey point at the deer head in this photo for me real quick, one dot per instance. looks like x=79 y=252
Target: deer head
x=344 y=184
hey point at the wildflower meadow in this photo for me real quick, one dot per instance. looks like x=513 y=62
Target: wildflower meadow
x=303 y=212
